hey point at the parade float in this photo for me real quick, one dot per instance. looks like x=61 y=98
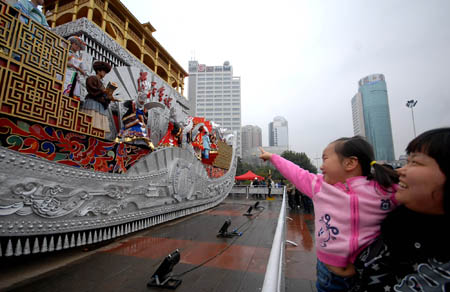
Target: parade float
x=62 y=182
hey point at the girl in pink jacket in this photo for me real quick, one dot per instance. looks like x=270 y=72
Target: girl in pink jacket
x=351 y=197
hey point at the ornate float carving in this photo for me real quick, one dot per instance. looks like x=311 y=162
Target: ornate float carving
x=61 y=184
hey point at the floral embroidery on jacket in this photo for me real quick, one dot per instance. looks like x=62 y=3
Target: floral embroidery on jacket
x=326 y=231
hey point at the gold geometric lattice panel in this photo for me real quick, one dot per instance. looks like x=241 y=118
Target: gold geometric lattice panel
x=84 y=123
x=32 y=67
x=8 y=28
x=30 y=95
x=41 y=50
x=34 y=97
x=97 y=132
x=32 y=44
x=68 y=112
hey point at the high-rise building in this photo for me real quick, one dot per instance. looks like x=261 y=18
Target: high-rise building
x=278 y=133
x=214 y=93
x=371 y=118
x=358 y=116
x=251 y=138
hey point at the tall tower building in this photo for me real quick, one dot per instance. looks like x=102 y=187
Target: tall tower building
x=214 y=93
x=251 y=138
x=358 y=115
x=371 y=118
x=278 y=133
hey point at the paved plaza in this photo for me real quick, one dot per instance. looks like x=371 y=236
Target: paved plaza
x=208 y=263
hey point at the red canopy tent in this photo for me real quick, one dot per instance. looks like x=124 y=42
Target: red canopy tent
x=248 y=176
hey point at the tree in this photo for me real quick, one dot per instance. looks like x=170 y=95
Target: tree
x=264 y=170
x=301 y=159
x=243 y=167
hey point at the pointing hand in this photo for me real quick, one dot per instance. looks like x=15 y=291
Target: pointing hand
x=264 y=155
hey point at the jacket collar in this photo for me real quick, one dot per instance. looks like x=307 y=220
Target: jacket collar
x=351 y=182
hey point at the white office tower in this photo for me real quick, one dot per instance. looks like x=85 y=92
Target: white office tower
x=214 y=93
x=279 y=133
x=358 y=115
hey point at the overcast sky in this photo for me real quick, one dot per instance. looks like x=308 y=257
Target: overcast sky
x=302 y=59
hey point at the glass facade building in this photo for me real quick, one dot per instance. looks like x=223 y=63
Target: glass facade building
x=372 y=98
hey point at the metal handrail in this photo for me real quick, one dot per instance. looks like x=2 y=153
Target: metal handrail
x=263 y=190
x=274 y=277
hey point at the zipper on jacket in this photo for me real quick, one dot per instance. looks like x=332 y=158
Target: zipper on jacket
x=354 y=219
x=355 y=224
x=346 y=187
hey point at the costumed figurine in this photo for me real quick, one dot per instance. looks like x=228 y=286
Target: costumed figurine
x=206 y=145
x=141 y=113
x=74 y=68
x=134 y=127
x=213 y=139
x=98 y=99
x=172 y=138
x=186 y=134
x=197 y=143
x=174 y=131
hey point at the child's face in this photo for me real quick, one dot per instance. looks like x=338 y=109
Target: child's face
x=332 y=166
x=421 y=186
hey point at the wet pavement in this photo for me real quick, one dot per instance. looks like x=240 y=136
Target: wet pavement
x=207 y=263
x=300 y=260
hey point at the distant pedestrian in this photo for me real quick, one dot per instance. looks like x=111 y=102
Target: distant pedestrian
x=255 y=184
x=290 y=190
x=297 y=199
x=269 y=182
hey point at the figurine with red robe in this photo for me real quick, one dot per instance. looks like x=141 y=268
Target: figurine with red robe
x=173 y=136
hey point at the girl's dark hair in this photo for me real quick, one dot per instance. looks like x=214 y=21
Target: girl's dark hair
x=436 y=144
x=358 y=147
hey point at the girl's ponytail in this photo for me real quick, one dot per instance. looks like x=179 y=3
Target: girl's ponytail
x=358 y=147
x=384 y=175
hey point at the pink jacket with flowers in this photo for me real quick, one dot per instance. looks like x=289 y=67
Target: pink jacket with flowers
x=347 y=215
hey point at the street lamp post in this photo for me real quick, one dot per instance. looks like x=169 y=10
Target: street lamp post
x=411 y=104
